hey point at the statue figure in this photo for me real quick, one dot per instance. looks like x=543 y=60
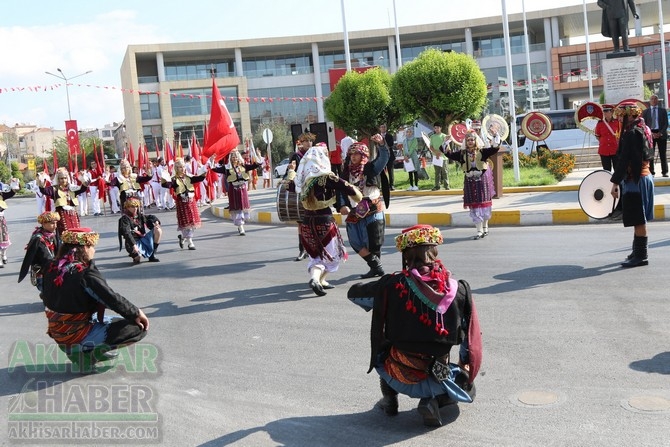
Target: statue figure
x=615 y=21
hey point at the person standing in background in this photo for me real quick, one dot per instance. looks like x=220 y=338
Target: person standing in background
x=656 y=118
x=410 y=152
x=437 y=141
x=607 y=132
x=390 y=144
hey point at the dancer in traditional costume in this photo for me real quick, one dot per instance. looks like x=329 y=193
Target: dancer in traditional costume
x=237 y=177
x=64 y=195
x=6 y=192
x=41 y=248
x=140 y=236
x=319 y=234
x=129 y=183
x=188 y=216
x=632 y=181
x=478 y=187
x=365 y=218
x=74 y=291
x=417 y=316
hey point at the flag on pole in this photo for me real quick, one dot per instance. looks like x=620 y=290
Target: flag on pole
x=55 y=159
x=131 y=154
x=83 y=157
x=72 y=137
x=95 y=154
x=140 y=157
x=221 y=137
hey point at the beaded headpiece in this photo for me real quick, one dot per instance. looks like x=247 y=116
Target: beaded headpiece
x=80 y=236
x=48 y=216
x=307 y=136
x=131 y=202
x=359 y=148
x=418 y=235
x=629 y=108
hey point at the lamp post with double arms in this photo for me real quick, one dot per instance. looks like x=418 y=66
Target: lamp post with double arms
x=67 y=90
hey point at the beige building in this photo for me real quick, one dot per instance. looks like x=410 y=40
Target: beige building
x=284 y=80
x=39 y=141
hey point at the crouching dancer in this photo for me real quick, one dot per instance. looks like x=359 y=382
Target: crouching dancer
x=417 y=316
x=74 y=291
x=141 y=234
x=41 y=249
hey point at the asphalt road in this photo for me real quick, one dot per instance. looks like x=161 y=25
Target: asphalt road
x=575 y=348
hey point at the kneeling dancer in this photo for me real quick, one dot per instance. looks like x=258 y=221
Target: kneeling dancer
x=74 y=291
x=417 y=316
x=140 y=234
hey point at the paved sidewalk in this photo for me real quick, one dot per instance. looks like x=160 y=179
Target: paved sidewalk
x=542 y=205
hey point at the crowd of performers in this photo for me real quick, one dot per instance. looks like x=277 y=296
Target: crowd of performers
x=418 y=314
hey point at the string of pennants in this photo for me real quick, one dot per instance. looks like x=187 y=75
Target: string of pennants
x=173 y=94
x=520 y=83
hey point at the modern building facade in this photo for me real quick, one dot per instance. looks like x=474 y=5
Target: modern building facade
x=167 y=87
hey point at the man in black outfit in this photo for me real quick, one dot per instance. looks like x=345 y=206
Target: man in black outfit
x=656 y=118
x=390 y=143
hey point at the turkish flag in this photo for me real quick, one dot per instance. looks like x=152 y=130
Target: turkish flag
x=221 y=135
x=72 y=137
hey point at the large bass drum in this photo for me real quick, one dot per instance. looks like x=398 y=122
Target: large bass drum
x=594 y=194
x=289 y=206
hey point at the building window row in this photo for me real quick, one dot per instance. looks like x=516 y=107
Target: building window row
x=191 y=102
x=189 y=71
x=282 y=111
x=258 y=67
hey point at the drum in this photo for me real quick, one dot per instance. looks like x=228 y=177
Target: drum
x=289 y=206
x=594 y=194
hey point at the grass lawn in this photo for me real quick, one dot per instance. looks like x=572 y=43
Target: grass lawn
x=534 y=176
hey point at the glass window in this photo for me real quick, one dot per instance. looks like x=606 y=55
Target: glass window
x=192 y=102
x=149 y=106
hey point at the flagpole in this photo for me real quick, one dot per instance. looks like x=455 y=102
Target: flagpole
x=588 y=52
x=397 y=37
x=347 y=55
x=529 y=82
x=510 y=84
x=663 y=61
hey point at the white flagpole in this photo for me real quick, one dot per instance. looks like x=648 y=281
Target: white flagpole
x=510 y=83
x=347 y=55
x=664 y=78
x=588 y=52
x=397 y=37
x=529 y=75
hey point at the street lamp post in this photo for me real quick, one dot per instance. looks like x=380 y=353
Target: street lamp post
x=67 y=90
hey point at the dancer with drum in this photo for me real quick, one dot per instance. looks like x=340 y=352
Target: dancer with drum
x=305 y=142
x=319 y=234
x=478 y=187
x=365 y=218
x=64 y=195
x=633 y=172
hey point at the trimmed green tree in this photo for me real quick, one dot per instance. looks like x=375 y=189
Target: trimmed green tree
x=440 y=87
x=360 y=102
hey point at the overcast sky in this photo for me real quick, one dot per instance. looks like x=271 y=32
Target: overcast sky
x=77 y=36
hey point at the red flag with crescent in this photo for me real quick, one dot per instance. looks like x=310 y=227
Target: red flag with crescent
x=72 y=137
x=221 y=135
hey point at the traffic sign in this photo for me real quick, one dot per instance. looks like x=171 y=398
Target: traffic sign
x=267 y=136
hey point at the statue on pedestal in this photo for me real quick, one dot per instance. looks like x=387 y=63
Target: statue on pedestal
x=615 y=21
